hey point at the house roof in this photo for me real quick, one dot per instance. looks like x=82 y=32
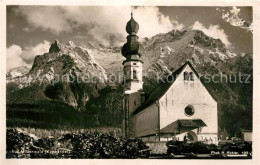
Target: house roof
x=162 y=88
x=244 y=130
x=190 y=123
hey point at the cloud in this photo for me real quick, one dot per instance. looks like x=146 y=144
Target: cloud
x=152 y=22
x=105 y=24
x=177 y=25
x=16 y=56
x=13 y=57
x=233 y=17
x=45 y=18
x=213 y=31
x=29 y=53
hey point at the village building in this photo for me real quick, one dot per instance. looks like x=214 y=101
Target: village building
x=246 y=135
x=181 y=109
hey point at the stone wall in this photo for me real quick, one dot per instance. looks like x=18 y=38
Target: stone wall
x=157 y=147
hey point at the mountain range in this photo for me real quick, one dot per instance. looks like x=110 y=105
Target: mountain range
x=52 y=75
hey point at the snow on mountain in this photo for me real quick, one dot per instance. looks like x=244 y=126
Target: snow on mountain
x=17 y=72
x=165 y=52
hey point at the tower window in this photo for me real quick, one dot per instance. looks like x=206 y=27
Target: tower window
x=186 y=76
x=191 y=76
x=134 y=74
x=134 y=63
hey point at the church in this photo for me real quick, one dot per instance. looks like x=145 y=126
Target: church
x=181 y=109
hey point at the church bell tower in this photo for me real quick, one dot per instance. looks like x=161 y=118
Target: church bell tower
x=132 y=64
x=133 y=83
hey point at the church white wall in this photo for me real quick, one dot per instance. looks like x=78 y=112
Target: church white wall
x=147 y=121
x=183 y=93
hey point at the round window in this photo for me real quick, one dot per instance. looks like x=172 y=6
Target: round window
x=189 y=111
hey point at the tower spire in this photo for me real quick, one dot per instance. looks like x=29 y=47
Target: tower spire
x=132 y=11
x=131 y=47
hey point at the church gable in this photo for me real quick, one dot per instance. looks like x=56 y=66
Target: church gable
x=185 y=74
x=189 y=80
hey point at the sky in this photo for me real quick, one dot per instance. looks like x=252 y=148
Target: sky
x=32 y=29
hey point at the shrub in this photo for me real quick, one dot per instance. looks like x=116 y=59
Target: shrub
x=236 y=146
x=96 y=145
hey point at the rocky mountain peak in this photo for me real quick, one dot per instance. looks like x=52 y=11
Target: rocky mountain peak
x=70 y=69
x=200 y=38
x=67 y=59
x=55 y=47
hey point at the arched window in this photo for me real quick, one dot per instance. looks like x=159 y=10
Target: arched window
x=191 y=76
x=189 y=110
x=134 y=74
x=186 y=76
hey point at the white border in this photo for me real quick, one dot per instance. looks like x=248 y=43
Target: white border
x=256 y=73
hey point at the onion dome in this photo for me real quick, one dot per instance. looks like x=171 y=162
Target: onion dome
x=132 y=26
x=131 y=47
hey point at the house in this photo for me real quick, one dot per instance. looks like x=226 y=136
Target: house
x=246 y=135
x=181 y=109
